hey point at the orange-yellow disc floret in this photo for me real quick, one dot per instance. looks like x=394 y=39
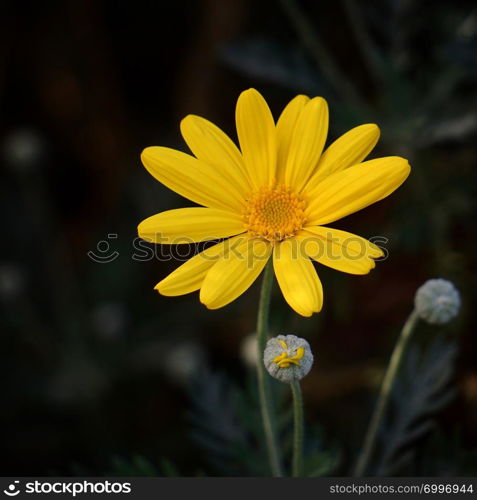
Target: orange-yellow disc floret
x=274 y=213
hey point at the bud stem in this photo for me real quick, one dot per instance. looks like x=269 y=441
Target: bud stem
x=384 y=395
x=297 y=461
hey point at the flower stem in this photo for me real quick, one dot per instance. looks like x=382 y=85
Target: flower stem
x=384 y=395
x=263 y=380
x=297 y=463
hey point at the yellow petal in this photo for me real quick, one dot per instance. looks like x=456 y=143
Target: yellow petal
x=350 y=190
x=235 y=272
x=192 y=178
x=297 y=278
x=340 y=250
x=353 y=245
x=210 y=144
x=257 y=137
x=285 y=127
x=308 y=140
x=190 y=225
x=350 y=149
x=189 y=276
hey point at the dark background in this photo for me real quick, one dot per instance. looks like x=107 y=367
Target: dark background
x=95 y=366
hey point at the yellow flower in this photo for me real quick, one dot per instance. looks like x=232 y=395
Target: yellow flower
x=270 y=199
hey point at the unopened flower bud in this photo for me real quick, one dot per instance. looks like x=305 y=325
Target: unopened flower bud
x=288 y=357
x=437 y=301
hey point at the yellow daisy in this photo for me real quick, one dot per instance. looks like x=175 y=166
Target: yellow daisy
x=270 y=199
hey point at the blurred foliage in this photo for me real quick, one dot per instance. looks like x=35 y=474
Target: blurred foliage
x=139 y=466
x=95 y=367
x=423 y=389
x=269 y=61
x=445 y=454
x=226 y=425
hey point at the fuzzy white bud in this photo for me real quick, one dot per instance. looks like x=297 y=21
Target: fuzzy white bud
x=437 y=301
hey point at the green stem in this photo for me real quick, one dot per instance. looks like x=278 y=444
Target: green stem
x=297 y=463
x=384 y=395
x=263 y=377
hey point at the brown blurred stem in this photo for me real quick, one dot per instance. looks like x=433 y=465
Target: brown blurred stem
x=365 y=43
x=317 y=51
x=384 y=395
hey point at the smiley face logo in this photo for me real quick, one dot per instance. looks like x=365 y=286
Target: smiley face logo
x=12 y=490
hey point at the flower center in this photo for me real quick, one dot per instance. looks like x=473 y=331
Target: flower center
x=274 y=213
x=284 y=360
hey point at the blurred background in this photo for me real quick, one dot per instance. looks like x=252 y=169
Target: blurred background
x=102 y=376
